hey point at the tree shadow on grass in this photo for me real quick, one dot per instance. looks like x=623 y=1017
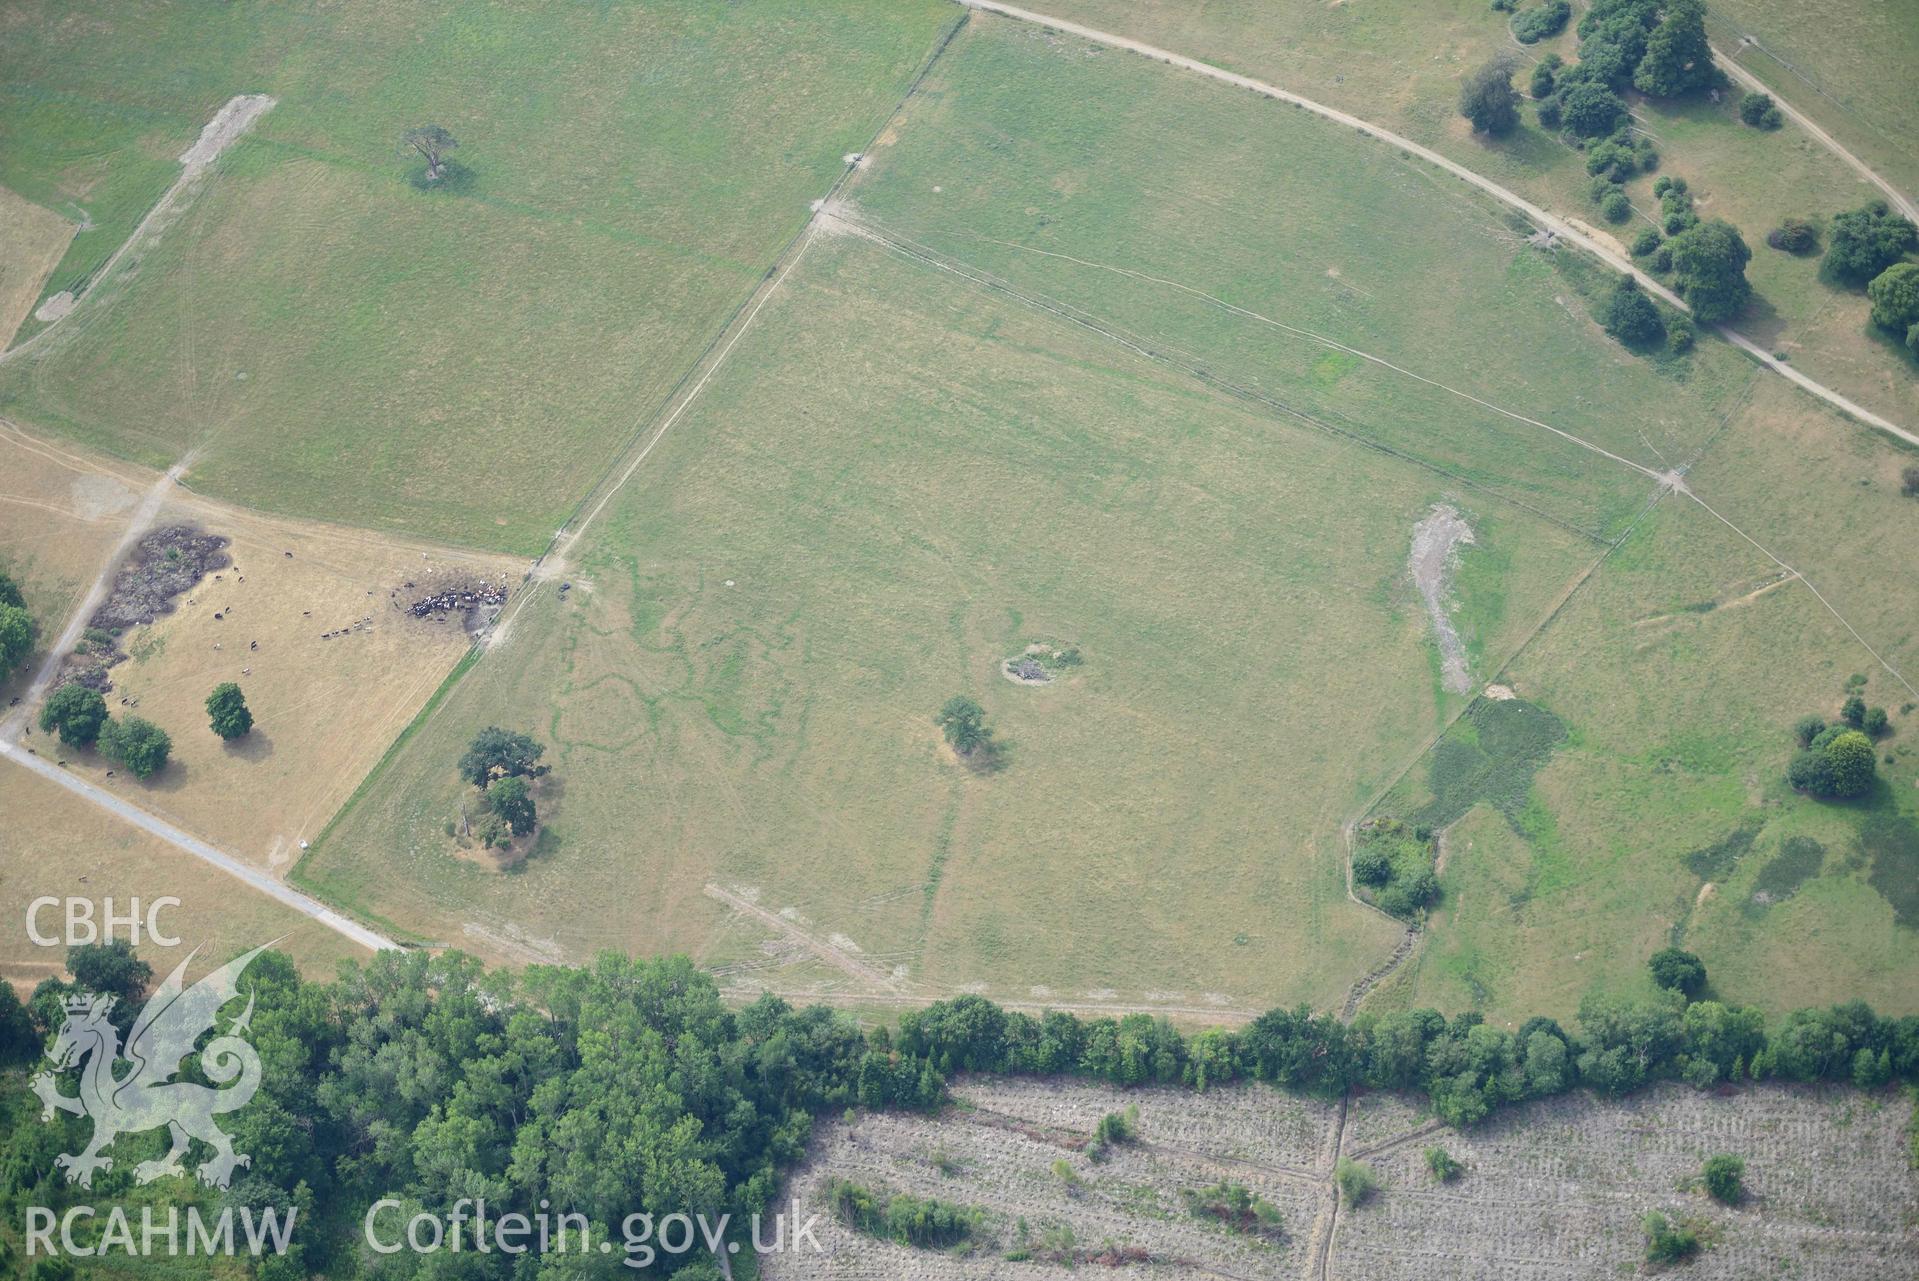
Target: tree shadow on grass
x=1761 y=322
x=255 y=745
x=455 y=179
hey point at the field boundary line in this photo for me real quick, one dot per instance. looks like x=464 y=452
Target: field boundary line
x=1335 y=345
x=575 y=522
x=837 y=957
x=1170 y=358
x=1794 y=574
x=1559 y=226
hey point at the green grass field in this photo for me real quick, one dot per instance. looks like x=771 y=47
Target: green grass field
x=1852 y=65
x=937 y=444
x=1400 y=66
x=1677 y=673
x=1087 y=351
x=459 y=362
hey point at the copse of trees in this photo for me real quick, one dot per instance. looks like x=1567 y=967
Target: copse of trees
x=1862 y=243
x=927 y=1224
x=1631 y=317
x=79 y=716
x=1656 y=46
x=1760 y=111
x=1542 y=21
x=502 y=764
x=1487 y=99
x=1836 y=761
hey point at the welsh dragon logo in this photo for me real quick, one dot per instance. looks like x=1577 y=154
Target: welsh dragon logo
x=145 y=1097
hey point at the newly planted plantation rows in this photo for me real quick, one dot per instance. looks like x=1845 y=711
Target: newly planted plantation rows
x=1549 y=1191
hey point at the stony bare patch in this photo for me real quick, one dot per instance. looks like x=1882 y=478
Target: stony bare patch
x=1040 y=663
x=162 y=567
x=1435 y=554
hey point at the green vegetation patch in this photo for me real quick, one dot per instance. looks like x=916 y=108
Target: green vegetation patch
x=1490 y=755
x=1393 y=865
x=922 y=1222
x=1891 y=841
x=1716 y=861
x=1798 y=861
x=1238 y=1207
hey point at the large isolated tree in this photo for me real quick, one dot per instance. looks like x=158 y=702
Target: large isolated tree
x=1487 y=99
x=227 y=708
x=432 y=142
x=964 y=723
x=1709 y=266
x=77 y=712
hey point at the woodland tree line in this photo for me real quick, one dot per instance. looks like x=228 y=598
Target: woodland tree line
x=630 y=1086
